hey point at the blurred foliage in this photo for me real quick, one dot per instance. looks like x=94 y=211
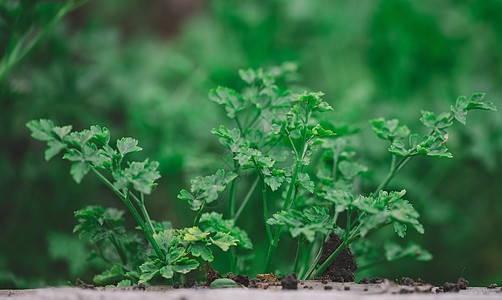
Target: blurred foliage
x=144 y=70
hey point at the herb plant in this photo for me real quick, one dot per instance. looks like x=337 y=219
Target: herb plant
x=283 y=142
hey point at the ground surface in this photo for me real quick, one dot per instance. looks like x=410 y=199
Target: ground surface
x=311 y=289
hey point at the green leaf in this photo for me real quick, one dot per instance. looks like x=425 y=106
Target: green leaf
x=54 y=147
x=166 y=239
x=148 y=271
x=185 y=265
x=389 y=129
x=229 y=99
x=224 y=283
x=124 y=283
x=195 y=204
x=305 y=182
x=127 y=145
x=79 y=170
x=194 y=234
x=350 y=169
x=41 y=129
x=203 y=251
x=62 y=131
x=224 y=240
x=112 y=276
x=249 y=75
x=476 y=102
x=398 y=148
x=213 y=222
x=428 y=119
x=101 y=134
x=167 y=272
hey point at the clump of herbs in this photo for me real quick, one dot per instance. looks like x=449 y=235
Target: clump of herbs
x=277 y=132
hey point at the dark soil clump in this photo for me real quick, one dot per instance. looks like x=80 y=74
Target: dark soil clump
x=454 y=287
x=290 y=282
x=343 y=267
x=211 y=275
x=365 y=280
x=407 y=281
x=190 y=283
x=241 y=279
x=462 y=283
x=492 y=286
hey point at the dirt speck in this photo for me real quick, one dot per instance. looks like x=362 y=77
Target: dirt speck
x=346 y=288
x=462 y=283
x=407 y=281
x=328 y=287
x=492 y=286
x=343 y=267
x=365 y=280
x=290 y=282
x=190 y=283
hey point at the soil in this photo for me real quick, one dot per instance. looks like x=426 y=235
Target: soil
x=343 y=267
x=290 y=282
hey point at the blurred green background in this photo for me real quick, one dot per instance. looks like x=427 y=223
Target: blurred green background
x=144 y=69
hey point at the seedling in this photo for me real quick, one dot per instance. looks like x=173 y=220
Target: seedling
x=276 y=133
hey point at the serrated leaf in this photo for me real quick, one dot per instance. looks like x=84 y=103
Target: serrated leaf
x=62 y=131
x=194 y=234
x=350 y=169
x=127 y=145
x=167 y=272
x=185 y=266
x=79 y=170
x=304 y=181
x=41 y=129
x=224 y=240
x=111 y=276
x=54 y=147
x=248 y=75
x=203 y=251
x=148 y=271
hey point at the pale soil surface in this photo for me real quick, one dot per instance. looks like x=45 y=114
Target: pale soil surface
x=315 y=291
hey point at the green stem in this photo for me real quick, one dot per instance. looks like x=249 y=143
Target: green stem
x=287 y=204
x=395 y=167
x=265 y=205
x=313 y=265
x=298 y=254
x=246 y=199
x=23 y=47
x=305 y=260
x=199 y=214
x=271 y=249
x=120 y=249
x=134 y=212
x=330 y=259
x=145 y=213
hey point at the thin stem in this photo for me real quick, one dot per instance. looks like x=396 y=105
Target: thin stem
x=134 y=212
x=199 y=214
x=305 y=260
x=231 y=200
x=299 y=249
x=313 y=265
x=23 y=47
x=142 y=206
x=265 y=204
x=246 y=199
x=330 y=259
x=120 y=250
x=395 y=167
x=271 y=249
